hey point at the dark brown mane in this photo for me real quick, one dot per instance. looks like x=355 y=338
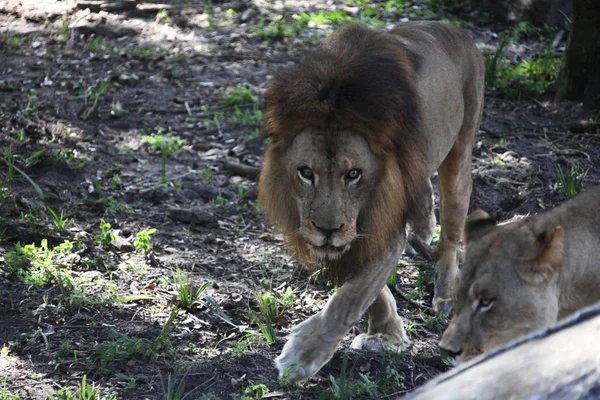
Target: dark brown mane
x=362 y=80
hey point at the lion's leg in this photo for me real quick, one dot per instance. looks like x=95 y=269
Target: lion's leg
x=313 y=342
x=386 y=329
x=421 y=231
x=455 y=192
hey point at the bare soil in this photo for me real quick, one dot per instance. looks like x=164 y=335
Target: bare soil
x=207 y=218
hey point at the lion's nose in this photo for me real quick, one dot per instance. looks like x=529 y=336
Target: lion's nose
x=327 y=230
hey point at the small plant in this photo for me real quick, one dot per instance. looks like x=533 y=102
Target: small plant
x=66 y=21
x=493 y=60
x=120 y=349
x=141 y=53
x=106 y=235
x=571 y=182
x=5 y=394
x=171 y=391
x=96 y=44
x=239 y=95
x=168 y=144
x=90 y=99
x=60 y=222
x=163 y=17
x=143 y=240
x=188 y=295
x=258 y=391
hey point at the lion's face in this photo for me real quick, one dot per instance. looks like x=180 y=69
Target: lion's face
x=332 y=175
x=505 y=289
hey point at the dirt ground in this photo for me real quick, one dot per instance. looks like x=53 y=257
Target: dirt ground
x=79 y=91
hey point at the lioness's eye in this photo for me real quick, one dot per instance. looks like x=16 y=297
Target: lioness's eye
x=485 y=304
x=306 y=173
x=353 y=175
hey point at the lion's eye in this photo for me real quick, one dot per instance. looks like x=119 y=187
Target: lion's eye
x=485 y=304
x=353 y=175
x=306 y=174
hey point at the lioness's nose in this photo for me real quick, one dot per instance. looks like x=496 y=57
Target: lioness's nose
x=327 y=230
x=454 y=352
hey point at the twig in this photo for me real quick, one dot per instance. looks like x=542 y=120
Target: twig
x=413 y=303
x=244 y=170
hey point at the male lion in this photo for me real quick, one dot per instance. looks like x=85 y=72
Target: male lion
x=525 y=275
x=356 y=131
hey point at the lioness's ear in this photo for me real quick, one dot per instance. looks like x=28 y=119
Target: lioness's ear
x=544 y=267
x=478 y=224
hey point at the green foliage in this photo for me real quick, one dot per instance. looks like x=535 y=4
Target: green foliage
x=187 y=294
x=90 y=99
x=60 y=222
x=570 y=182
x=120 y=349
x=258 y=391
x=106 y=235
x=96 y=45
x=5 y=393
x=143 y=240
x=239 y=95
x=333 y=17
x=38 y=265
x=12 y=43
x=168 y=144
x=140 y=53
x=279 y=28
x=531 y=77
x=171 y=391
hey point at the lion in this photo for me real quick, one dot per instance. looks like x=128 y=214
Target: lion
x=356 y=130
x=524 y=276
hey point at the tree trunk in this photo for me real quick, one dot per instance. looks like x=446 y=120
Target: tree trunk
x=580 y=77
x=560 y=363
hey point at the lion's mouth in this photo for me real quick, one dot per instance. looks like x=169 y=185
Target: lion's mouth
x=327 y=251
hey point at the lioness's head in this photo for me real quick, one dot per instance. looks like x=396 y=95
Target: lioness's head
x=345 y=163
x=505 y=287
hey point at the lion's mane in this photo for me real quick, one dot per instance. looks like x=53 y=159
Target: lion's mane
x=360 y=79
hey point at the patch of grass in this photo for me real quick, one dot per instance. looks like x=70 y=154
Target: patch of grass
x=141 y=53
x=12 y=43
x=279 y=29
x=65 y=29
x=570 y=182
x=120 y=349
x=333 y=17
x=60 y=222
x=96 y=45
x=239 y=95
x=247 y=117
x=434 y=323
x=40 y=265
x=188 y=295
x=5 y=394
x=168 y=144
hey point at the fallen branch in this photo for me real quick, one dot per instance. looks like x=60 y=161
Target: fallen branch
x=246 y=171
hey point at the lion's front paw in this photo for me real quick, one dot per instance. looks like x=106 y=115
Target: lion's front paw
x=308 y=348
x=380 y=343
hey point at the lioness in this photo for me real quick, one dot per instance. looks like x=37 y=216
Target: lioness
x=355 y=131
x=525 y=275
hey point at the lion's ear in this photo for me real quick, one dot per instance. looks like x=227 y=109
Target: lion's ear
x=478 y=224
x=543 y=269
